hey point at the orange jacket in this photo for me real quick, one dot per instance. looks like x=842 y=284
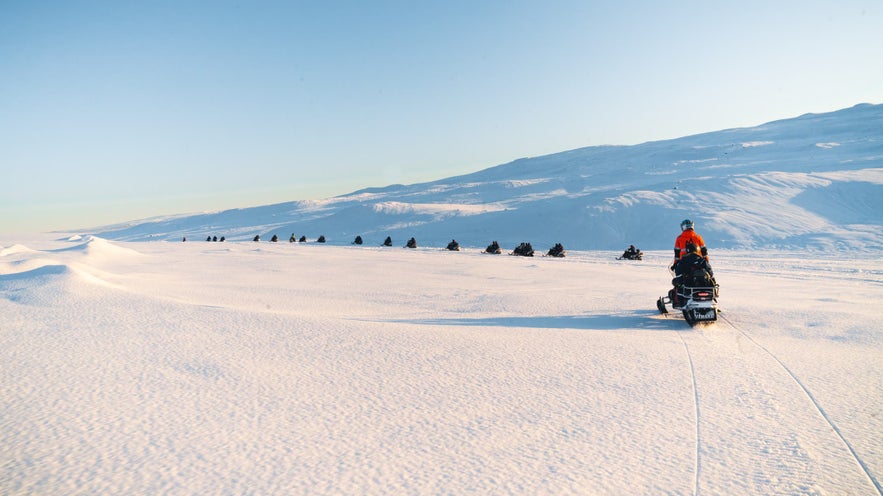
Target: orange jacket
x=687 y=236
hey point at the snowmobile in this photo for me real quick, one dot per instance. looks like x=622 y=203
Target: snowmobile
x=523 y=250
x=494 y=248
x=631 y=253
x=557 y=251
x=697 y=303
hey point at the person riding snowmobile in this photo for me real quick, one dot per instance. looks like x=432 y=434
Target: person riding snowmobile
x=631 y=253
x=692 y=270
x=692 y=265
x=688 y=235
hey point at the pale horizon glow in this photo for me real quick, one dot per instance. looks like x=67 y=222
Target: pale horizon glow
x=112 y=112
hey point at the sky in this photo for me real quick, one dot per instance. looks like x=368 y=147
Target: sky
x=113 y=111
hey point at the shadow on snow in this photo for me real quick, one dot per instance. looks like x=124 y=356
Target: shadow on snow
x=643 y=320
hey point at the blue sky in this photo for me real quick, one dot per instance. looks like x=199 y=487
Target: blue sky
x=116 y=110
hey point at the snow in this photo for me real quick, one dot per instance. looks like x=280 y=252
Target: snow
x=783 y=184
x=134 y=363
x=435 y=209
x=277 y=368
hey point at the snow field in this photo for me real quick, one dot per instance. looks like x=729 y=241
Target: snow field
x=260 y=368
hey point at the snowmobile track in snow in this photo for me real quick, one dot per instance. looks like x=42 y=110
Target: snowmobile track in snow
x=808 y=394
x=696 y=417
x=696 y=460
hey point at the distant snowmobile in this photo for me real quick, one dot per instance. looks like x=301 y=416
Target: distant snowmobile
x=523 y=250
x=631 y=253
x=557 y=251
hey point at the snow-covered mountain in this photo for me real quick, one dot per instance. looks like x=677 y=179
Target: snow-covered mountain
x=815 y=181
x=219 y=368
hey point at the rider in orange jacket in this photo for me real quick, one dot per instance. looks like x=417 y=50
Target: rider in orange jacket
x=688 y=235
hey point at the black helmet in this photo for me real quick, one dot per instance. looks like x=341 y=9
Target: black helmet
x=686 y=224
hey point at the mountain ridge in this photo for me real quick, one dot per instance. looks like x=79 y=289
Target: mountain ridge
x=813 y=181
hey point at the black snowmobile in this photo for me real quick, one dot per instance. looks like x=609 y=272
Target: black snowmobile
x=696 y=299
x=557 y=251
x=523 y=250
x=632 y=253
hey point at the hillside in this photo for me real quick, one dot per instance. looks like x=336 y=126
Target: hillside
x=814 y=181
